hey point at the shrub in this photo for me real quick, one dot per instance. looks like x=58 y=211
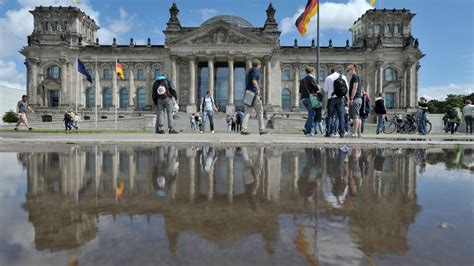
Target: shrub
x=10 y=117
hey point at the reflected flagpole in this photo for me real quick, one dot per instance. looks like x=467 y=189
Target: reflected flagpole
x=115 y=93
x=96 y=113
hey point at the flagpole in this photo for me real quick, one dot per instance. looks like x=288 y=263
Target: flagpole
x=115 y=93
x=317 y=53
x=95 y=75
x=77 y=80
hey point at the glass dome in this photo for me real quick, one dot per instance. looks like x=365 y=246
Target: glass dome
x=231 y=19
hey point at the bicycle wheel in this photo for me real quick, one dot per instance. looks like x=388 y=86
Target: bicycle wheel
x=390 y=127
x=428 y=127
x=409 y=128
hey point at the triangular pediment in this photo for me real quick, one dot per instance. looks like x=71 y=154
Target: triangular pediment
x=220 y=33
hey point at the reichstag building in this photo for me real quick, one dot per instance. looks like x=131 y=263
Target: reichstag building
x=213 y=56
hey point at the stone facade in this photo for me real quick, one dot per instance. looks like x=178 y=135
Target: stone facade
x=382 y=46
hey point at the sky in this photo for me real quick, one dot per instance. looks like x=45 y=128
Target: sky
x=445 y=30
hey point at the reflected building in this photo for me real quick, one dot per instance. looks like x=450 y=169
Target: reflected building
x=226 y=194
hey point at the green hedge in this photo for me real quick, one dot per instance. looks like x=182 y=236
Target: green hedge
x=10 y=117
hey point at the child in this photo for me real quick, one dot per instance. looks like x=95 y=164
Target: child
x=76 y=120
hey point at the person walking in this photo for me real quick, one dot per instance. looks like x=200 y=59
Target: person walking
x=192 y=122
x=335 y=86
x=364 y=111
x=422 y=115
x=381 y=112
x=207 y=109
x=75 y=120
x=455 y=117
x=355 y=98
x=239 y=117
x=308 y=87
x=22 y=107
x=163 y=94
x=468 y=112
x=67 y=120
x=251 y=84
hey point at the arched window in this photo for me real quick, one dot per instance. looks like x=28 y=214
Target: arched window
x=123 y=98
x=90 y=98
x=107 y=96
x=286 y=99
x=53 y=72
x=387 y=30
x=141 y=98
x=390 y=74
x=377 y=30
x=286 y=74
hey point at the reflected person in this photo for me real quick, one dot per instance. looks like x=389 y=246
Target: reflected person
x=165 y=170
x=252 y=171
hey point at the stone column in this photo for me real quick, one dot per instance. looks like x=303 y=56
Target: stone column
x=131 y=170
x=230 y=109
x=174 y=74
x=191 y=107
x=210 y=67
x=296 y=84
x=149 y=83
x=33 y=80
x=98 y=93
x=248 y=63
x=268 y=83
x=379 y=76
x=64 y=68
x=132 y=89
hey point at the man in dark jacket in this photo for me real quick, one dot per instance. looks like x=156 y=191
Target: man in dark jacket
x=163 y=94
x=308 y=87
x=380 y=111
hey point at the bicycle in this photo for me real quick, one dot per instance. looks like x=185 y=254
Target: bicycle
x=396 y=123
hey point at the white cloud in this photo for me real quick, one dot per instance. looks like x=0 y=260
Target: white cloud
x=440 y=92
x=10 y=77
x=337 y=16
x=208 y=13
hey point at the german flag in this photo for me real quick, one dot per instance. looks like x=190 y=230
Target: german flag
x=372 y=2
x=305 y=17
x=120 y=70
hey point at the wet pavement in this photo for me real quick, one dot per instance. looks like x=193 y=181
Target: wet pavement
x=218 y=205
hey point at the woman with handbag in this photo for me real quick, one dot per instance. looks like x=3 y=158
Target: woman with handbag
x=308 y=93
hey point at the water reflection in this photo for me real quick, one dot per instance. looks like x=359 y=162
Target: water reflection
x=316 y=201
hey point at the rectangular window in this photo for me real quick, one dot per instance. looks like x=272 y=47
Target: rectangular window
x=302 y=74
x=286 y=74
x=157 y=73
x=106 y=74
x=91 y=73
x=140 y=74
x=53 y=98
x=389 y=100
x=322 y=75
x=126 y=73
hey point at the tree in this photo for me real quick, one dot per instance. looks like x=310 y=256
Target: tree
x=10 y=117
x=439 y=107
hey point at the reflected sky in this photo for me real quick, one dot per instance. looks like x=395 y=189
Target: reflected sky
x=236 y=206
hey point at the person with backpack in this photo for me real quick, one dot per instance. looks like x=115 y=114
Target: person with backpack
x=335 y=86
x=355 y=98
x=67 y=120
x=207 y=109
x=468 y=112
x=381 y=112
x=364 y=111
x=163 y=94
x=308 y=88
x=455 y=117
x=422 y=115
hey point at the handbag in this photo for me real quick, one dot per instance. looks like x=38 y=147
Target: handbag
x=315 y=102
x=249 y=98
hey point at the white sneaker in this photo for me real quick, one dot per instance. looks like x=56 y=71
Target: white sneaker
x=212 y=132
x=201 y=132
x=354 y=135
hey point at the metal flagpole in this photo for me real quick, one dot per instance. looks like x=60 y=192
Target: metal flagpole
x=77 y=80
x=115 y=92
x=95 y=75
x=317 y=53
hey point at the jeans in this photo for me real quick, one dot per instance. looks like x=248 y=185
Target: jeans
x=454 y=127
x=311 y=113
x=422 y=124
x=380 y=123
x=468 y=120
x=210 y=114
x=336 y=106
x=318 y=125
x=258 y=107
x=164 y=105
